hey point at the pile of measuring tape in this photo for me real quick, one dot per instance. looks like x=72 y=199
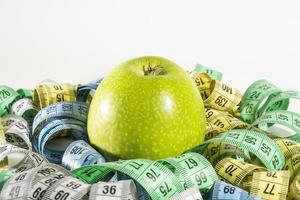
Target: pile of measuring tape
x=242 y=158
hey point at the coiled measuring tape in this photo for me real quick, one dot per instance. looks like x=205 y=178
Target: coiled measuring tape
x=16 y=131
x=224 y=98
x=46 y=94
x=218 y=150
x=235 y=171
x=253 y=104
x=294 y=192
x=86 y=92
x=54 y=182
x=282 y=97
x=219 y=122
x=265 y=115
x=288 y=147
x=17 y=102
x=217 y=95
x=291 y=150
x=159 y=179
x=292 y=156
x=203 y=82
x=79 y=154
x=212 y=73
x=264 y=148
x=25 y=108
x=288 y=119
x=51 y=121
x=28 y=161
x=193 y=170
x=33 y=183
x=25 y=93
x=7 y=97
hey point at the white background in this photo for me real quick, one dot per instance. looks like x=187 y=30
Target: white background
x=78 y=41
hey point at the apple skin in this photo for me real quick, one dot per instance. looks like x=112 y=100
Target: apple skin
x=133 y=115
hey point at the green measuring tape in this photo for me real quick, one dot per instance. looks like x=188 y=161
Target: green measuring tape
x=159 y=179
x=257 y=98
x=288 y=119
x=263 y=147
x=7 y=97
x=212 y=73
x=194 y=170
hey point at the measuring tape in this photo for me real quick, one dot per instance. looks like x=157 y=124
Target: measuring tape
x=25 y=108
x=53 y=121
x=288 y=119
x=235 y=171
x=294 y=192
x=79 y=154
x=2 y=134
x=219 y=122
x=86 y=92
x=212 y=73
x=193 y=170
x=25 y=93
x=291 y=151
x=218 y=150
x=203 y=82
x=226 y=191
x=224 y=98
x=16 y=131
x=288 y=147
x=264 y=148
x=4 y=176
x=51 y=93
x=67 y=188
x=253 y=101
x=30 y=159
x=278 y=99
x=17 y=102
x=217 y=95
x=3 y=162
x=271 y=185
x=54 y=182
x=123 y=190
x=32 y=184
x=7 y=97
x=155 y=178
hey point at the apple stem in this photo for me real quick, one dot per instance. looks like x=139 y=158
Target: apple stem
x=153 y=70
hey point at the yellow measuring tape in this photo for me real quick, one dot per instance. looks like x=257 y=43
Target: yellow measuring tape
x=218 y=122
x=270 y=185
x=217 y=95
x=235 y=171
x=50 y=93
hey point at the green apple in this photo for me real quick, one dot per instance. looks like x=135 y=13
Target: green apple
x=147 y=107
